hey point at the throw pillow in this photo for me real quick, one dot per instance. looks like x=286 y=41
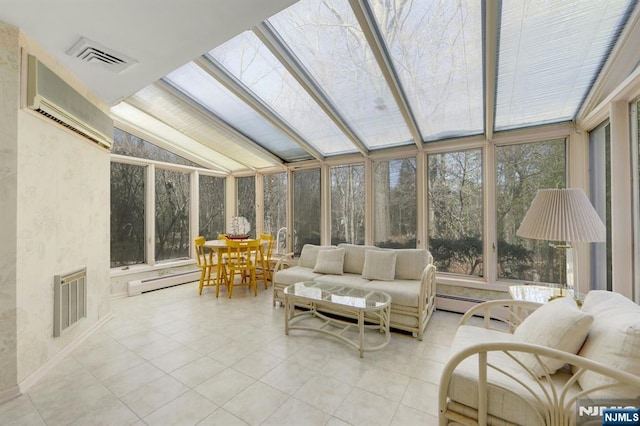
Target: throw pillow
x=329 y=262
x=558 y=324
x=309 y=254
x=379 y=265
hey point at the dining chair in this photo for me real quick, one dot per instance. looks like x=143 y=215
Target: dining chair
x=265 y=268
x=206 y=261
x=243 y=257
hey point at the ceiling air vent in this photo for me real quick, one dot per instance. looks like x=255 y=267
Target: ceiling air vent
x=95 y=53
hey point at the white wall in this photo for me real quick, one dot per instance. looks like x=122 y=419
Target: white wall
x=54 y=218
x=63 y=225
x=9 y=96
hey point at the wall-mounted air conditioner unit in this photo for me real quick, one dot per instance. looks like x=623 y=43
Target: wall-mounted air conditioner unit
x=51 y=96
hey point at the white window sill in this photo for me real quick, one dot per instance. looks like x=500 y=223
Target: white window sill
x=136 y=269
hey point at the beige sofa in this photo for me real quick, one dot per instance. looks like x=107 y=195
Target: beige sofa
x=528 y=364
x=407 y=275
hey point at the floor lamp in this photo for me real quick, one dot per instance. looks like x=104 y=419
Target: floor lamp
x=564 y=215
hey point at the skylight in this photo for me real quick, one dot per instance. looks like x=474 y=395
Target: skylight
x=330 y=77
x=436 y=48
x=549 y=57
x=248 y=60
x=329 y=42
x=204 y=89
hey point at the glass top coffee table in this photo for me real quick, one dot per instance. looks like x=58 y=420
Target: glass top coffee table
x=337 y=311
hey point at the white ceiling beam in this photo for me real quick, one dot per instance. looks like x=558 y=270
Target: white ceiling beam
x=219 y=123
x=272 y=41
x=363 y=15
x=491 y=19
x=623 y=59
x=228 y=81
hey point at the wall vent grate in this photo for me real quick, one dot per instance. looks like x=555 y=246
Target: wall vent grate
x=94 y=53
x=70 y=300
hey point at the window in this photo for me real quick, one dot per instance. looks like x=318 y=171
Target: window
x=275 y=209
x=520 y=171
x=211 y=206
x=455 y=211
x=132 y=146
x=347 y=204
x=600 y=179
x=172 y=215
x=635 y=149
x=143 y=233
x=395 y=207
x=306 y=208
x=127 y=214
x=246 y=199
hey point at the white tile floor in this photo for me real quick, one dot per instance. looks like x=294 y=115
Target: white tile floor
x=172 y=357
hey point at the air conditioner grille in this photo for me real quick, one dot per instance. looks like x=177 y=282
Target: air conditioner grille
x=94 y=53
x=70 y=127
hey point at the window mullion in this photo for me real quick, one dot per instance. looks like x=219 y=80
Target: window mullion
x=150 y=215
x=490 y=246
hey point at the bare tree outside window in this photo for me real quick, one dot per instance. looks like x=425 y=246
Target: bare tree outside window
x=132 y=146
x=127 y=214
x=522 y=170
x=455 y=211
x=347 y=204
x=172 y=215
x=212 y=212
x=246 y=193
x=395 y=203
x=306 y=208
x=275 y=209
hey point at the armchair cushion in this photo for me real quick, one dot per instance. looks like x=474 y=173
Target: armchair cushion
x=330 y=262
x=614 y=340
x=559 y=324
x=379 y=265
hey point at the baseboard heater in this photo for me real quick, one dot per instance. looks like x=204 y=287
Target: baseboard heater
x=461 y=304
x=137 y=287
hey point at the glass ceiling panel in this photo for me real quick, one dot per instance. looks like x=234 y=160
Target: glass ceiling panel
x=550 y=56
x=251 y=62
x=165 y=107
x=208 y=92
x=436 y=48
x=328 y=41
x=131 y=115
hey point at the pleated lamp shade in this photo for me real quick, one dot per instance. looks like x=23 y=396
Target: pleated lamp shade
x=562 y=215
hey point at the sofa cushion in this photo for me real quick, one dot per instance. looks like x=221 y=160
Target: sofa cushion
x=558 y=324
x=309 y=254
x=379 y=265
x=353 y=280
x=354 y=257
x=410 y=263
x=329 y=262
x=614 y=340
x=402 y=292
x=295 y=274
x=507 y=399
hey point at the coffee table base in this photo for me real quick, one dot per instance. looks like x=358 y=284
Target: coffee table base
x=380 y=317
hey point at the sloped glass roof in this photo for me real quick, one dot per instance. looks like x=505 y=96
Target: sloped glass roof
x=332 y=47
x=251 y=62
x=200 y=86
x=436 y=48
x=550 y=54
x=331 y=77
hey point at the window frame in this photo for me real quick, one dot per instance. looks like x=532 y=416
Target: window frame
x=150 y=262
